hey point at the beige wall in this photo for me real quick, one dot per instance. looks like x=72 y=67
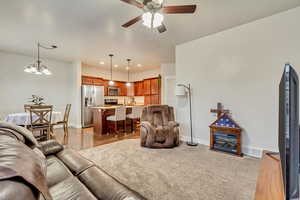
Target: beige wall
x=241 y=68
x=17 y=86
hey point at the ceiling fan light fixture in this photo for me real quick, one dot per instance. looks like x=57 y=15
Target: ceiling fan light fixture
x=147 y=19
x=157 y=20
x=152 y=20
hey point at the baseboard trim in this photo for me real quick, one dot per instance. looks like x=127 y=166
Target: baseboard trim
x=75 y=126
x=247 y=150
x=70 y=126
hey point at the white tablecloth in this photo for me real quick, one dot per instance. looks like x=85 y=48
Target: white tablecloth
x=24 y=118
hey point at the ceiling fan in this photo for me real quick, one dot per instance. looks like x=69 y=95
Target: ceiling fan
x=153 y=10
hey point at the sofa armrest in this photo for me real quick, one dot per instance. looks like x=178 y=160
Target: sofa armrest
x=50 y=147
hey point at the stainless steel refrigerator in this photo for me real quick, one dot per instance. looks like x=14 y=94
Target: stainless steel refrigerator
x=91 y=96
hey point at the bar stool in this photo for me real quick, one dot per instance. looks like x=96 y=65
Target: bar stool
x=135 y=116
x=120 y=115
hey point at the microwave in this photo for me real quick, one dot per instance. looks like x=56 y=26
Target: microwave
x=113 y=91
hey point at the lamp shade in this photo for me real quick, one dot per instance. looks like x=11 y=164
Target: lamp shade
x=180 y=91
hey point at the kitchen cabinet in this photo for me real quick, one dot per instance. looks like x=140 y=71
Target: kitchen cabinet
x=155 y=82
x=98 y=81
x=147 y=87
x=139 y=88
x=123 y=88
x=130 y=90
x=155 y=99
x=147 y=100
x=105 y=84
x=87 y=80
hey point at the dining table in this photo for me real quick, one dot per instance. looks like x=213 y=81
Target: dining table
x=23 y=118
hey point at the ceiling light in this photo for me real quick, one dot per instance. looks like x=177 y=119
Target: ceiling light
x=101 y=63
x=116 y=66
x=139 y=65
x=37 y=67
x=111 y=83
x=152 y=20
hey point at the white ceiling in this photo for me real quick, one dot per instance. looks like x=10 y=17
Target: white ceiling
x=89 y=30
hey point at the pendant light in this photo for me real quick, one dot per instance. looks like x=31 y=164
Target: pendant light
x=128 y=84
x=37 y=67
x=111 y=82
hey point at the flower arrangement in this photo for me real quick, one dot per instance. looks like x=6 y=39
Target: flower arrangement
x=37 y=100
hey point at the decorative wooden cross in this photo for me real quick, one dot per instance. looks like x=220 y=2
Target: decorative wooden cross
x=219 y=110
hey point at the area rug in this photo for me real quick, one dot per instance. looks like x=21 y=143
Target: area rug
x=182 y=173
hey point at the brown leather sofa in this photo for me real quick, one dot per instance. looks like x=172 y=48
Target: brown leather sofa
x=48 y=171
x=158 y=127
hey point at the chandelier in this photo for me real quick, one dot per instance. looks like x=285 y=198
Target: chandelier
x=152 y=20
x=37 y=67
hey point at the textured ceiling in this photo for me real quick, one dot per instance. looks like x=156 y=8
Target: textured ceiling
x=90 y=30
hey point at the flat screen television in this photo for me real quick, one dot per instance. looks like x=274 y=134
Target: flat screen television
x=288 y=137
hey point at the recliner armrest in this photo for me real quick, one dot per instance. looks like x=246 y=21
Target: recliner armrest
x=50 y=147
x=173 y=123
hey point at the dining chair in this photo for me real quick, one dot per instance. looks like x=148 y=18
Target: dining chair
x=40 y=120
x=65 y=121
x=27 y=107
x=135 y=116
x=119 y=116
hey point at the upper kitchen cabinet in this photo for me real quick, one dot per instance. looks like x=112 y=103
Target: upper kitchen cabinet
x=139 y=88
x=147 y=87
x=123 y=88
x=155 y=85
x=105 y=84
x=86 y=80
x=98 y=81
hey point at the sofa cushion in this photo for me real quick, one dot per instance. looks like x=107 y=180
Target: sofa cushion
x=103 y=186
x=56 y=171
x=9 y=187
x=74 y=161
x=70 y=189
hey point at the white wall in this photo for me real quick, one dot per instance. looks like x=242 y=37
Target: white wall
x=16 y=86
x=168 y=73
x=99 y=72
x=241 y=68
x=138 y=76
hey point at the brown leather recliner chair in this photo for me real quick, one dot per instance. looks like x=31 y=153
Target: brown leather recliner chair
x=158 y=128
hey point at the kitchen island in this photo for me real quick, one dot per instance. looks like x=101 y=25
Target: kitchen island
x=99 y=117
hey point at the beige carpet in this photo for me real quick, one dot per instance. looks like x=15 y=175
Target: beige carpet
x=182 y=173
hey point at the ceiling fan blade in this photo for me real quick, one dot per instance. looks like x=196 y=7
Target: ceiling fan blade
x=179 y=9
x=134 y=3
x=133 y=21
x=162 y=28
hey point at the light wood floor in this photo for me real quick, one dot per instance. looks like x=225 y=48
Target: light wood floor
x=86 y=138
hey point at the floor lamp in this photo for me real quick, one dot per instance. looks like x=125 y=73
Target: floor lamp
x=181 y=91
